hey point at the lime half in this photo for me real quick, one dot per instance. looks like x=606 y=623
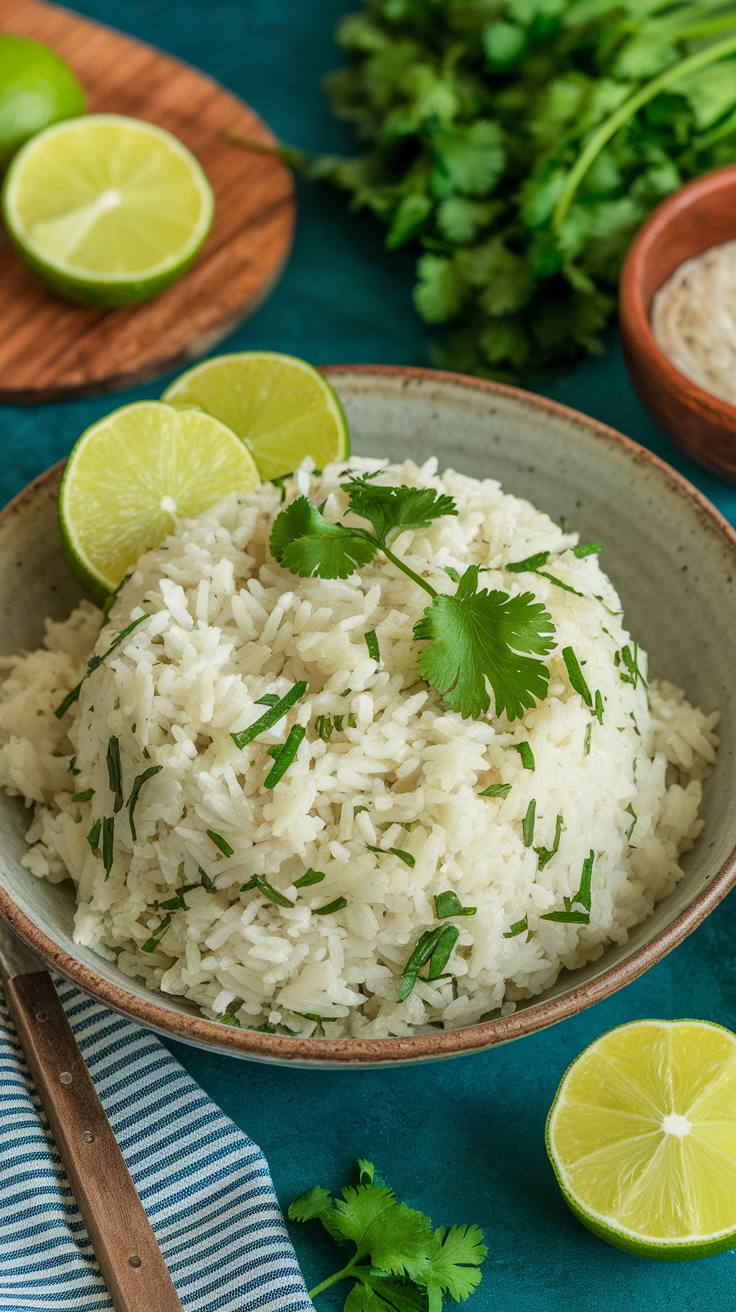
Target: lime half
x=282 y=407
x=642 y=1137
x=36 y=88
x=107 y=210
x=132 y=475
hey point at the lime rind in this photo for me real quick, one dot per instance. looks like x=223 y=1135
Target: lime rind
x=671 y=1249
x=131 y=476
x=213 y=385
x=76 y=281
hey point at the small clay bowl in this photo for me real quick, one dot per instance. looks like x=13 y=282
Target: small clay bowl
x=700 y=215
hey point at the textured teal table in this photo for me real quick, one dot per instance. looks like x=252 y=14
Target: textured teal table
x=463 y=1140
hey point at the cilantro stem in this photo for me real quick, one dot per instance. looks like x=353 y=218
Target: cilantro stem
x=406 y=569
x=333 y=1280
x=701 y=59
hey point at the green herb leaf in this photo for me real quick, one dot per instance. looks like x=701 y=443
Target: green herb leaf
x=435 y=947
x=453 y=1269
x=588 y=736
x=393 y=510
x=307 y=544
x=268 y=699
x=286 y=756
x=272 y=894
x=207 y=883
x=92 y=665
x=151 y=944
x=308 y=878
x=114 y=773
x=406 y=857
x=323 y=727
x=138 y=783
x=518 y=927
x=529 y=565
x=587 y=549
x=527 y=824
x=477 y=636
x=631 y=812
x=598 y=708
x=496 y=790
x=221 y=843
x=449 y=904
x=271 y=717
x=527 y=756
x=108 y=838
x=545 y=854
x=85 y=796
x=337 y=905
x=575 y=675
x=93 y=837
x=73 y=765
x=371 y=642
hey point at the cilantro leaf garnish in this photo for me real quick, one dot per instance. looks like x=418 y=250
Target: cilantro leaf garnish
x=478 y=636
x=307 y=544
x=114 y=773
x=337 y=905
x=371 y=642
x=284 y=756
x=138 y=783
x=527 y=755
x=631 y=812
x=435 y=946
x=406 y=857
x=449 y=904
x=308 y=878
x=272 y=894
x=527 y=824
x=496 y=790
x=630 y=661
x=150 y=944
x=85 y=796
x=276 y=712
x=576 y=677
x=400 y=1264
x=582 y=897
x=584 y=549
x=518 y=927
x=221 y=843
x=92 y=665
x=545 y=854
x=473 y=638
x=93 y=837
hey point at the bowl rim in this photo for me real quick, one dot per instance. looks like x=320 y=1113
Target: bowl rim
x=324 y=1052
x=634 y=317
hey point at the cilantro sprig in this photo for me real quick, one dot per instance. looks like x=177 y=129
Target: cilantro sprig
x=400 y=1264
x=473 y=638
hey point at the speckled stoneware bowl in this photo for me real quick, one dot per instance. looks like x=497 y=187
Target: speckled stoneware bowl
x=669 y=553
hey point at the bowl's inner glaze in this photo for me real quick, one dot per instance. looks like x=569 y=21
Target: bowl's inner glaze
x=672 y=562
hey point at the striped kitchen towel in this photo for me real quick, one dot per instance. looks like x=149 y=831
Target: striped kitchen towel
x=205 y=1186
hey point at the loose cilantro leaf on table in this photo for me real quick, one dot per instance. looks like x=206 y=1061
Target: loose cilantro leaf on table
x=523 y=144
x=400 y=1264
x=473 y=638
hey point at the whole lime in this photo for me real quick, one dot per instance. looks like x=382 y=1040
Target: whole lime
x=36 y=88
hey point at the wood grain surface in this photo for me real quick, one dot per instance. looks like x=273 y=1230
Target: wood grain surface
x=124 y=1244
x=50 y=349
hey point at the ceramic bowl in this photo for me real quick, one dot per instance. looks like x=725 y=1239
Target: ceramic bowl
x=701 y=215
x=669 y=553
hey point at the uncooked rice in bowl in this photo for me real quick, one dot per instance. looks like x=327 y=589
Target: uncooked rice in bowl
x=384 y=797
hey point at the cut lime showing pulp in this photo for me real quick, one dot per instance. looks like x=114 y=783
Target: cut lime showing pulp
x=642 y=1137
x=131 y=476
x=107 y=210
x=282 y=407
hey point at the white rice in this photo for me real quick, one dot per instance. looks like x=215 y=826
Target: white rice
x=228 y=625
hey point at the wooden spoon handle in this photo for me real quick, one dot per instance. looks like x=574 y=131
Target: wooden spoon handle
x=125 y=1246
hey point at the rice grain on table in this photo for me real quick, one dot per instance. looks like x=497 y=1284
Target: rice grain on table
x=387 y=767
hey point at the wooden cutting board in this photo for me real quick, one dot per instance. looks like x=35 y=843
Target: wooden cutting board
x=51 y=350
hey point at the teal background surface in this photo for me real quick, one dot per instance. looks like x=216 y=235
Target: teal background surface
x=462 y=1140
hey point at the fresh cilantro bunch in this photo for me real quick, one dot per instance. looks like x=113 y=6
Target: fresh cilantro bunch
x=522 y=142
x=474 y=637
x=400 y=1263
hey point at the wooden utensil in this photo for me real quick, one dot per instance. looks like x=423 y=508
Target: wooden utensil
x=51 y=350
x=124 y=1244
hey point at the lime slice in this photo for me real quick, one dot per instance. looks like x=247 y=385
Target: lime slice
x=107 y=210
x=133 y=474
x=282 y=408
x=36 y=88
x=642 y=1137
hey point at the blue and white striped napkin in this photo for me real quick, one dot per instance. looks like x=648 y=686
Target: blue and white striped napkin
x=205 y=1186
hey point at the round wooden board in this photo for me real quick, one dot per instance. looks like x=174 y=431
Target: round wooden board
x=50 y=350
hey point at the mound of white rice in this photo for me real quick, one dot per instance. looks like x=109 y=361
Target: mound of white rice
x=398 y=771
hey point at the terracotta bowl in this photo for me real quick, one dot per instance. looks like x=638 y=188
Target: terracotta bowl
x=701 y=215
x=669 y=553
